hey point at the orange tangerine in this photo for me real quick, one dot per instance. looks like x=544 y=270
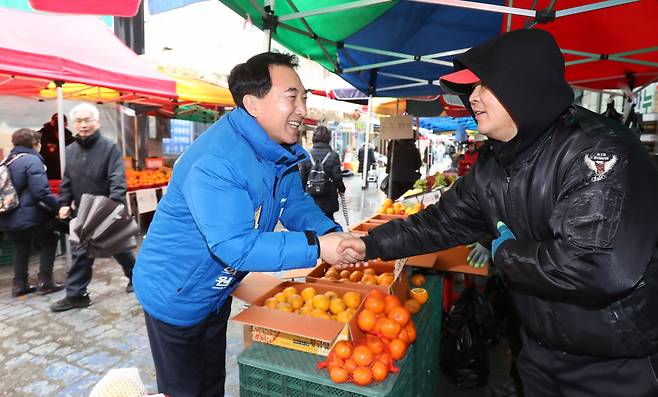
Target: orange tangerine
x=376 y=305
x=397 y=348
x=284 y=306
x=391 y=301
x=308 y=293
x=385 y=279
x=418 y=280
x=379 y=371
x=296 y=301
x=336 y=305
x=375 y=293
x=412 y=305
x=343 y=349
x=271 y=302
x=420 y=295
x=362 y=355
x=400 y=315
x=338 y=374
x=369 y=279
x=344 y=317
x=356 y=276
x=362 y=376
x=280 y=296
x=366 y=320
x=290 y=291
x=352 y=299
x=411 y=332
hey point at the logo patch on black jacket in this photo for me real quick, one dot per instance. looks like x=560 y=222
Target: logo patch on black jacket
x=601 y=163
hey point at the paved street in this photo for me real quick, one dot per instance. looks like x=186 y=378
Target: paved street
x=66 y=354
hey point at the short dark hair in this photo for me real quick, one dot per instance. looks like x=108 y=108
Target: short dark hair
x=253 y=76
x=25 y=137
x=322 y=134
x=54 y=117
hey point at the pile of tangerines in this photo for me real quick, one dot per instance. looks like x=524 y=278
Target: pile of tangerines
x=367 y=276
x=389 y=330
x=310 y=302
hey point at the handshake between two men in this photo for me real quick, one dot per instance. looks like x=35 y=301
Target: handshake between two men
x=341 y=249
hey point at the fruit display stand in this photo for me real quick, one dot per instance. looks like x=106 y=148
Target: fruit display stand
x=270 y=371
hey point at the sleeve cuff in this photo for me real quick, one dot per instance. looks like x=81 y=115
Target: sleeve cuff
x=312 y=239
x=372 y=250
x=337 y=228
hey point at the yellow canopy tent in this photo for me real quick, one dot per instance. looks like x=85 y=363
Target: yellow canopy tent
x=189 y=90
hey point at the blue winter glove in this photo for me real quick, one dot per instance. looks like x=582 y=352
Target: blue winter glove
x=478 y=256
x=505 y=234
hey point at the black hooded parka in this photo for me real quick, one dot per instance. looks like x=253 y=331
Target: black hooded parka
x=578 y=191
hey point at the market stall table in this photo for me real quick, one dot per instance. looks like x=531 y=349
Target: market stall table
x=270 y=371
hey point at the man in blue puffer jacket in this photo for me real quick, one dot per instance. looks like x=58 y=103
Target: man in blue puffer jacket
x=216 y=222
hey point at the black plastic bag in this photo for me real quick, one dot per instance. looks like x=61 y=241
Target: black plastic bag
x=464 y=358
x=498 y=296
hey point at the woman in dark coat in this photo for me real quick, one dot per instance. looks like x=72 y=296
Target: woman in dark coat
x=28 y=220
x=405 y=157
x=329 y=202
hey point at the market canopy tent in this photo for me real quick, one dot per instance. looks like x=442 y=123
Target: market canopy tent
x=123 y=8
x=37 y=49
x=401 y=48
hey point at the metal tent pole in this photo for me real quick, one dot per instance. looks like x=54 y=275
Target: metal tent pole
x=62 y=154
x=123 y=131
x=268 y=5
x=364 y=176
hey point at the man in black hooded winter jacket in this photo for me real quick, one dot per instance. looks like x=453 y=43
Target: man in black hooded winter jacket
x=572 y=198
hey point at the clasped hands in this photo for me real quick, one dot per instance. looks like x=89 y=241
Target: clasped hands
x=342 y=249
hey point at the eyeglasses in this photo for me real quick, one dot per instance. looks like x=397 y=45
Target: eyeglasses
x=88 y=120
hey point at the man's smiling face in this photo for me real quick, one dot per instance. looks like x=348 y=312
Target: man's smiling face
x=491 y=116
x=282 y=111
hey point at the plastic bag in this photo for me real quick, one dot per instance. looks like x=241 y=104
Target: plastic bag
x=464 y=357
x=497 y=294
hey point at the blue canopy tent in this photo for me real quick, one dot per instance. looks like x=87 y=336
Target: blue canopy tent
x=439 y=124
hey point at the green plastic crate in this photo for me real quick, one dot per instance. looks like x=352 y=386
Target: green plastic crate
x=6 y=252
x=271 y=371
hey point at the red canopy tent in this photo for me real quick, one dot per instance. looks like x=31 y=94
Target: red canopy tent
x=603 y=48
x=36 y=49
x=123 y=8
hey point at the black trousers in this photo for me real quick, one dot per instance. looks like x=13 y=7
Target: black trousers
x=548 y=373
x=400 y=188
x=79 y=275
x=22 y=239
x=190 y=361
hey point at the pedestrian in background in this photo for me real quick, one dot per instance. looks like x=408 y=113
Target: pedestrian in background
x=372 y=159
x=402 y=166
x=94 y=165
x=328 y=202
x=50 y=145
x=27 y=222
